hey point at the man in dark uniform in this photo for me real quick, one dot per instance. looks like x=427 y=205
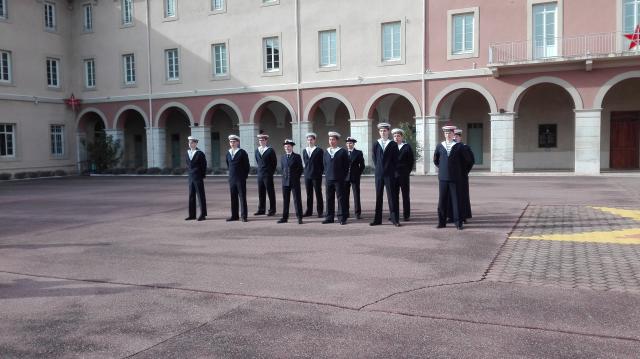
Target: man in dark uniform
x=448 y=158
x=356 y=167
x=197 y=169
x=313 y=157
x=463 y=187
x=404 y=166
x=291 y=163
x=385 y=156
x=267 y=162
x=238 y=164
x=336 y=167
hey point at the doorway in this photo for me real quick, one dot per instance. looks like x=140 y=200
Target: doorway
x=625 y=139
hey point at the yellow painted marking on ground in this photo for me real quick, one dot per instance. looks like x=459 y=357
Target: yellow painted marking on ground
x=626 y=213
x=624 y=236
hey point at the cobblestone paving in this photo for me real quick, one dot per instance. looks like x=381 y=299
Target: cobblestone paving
x=572 y=247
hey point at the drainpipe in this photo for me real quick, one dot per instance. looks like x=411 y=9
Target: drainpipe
x=150 y=92
x=297 y=21
x=424 y=54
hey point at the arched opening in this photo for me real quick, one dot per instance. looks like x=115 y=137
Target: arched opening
x=91 y=126
x=274 y=119
x=176 y=124
x=394 y=109
x=620 y=139
x=134 y=146
x=329 y=114
x=223 y=120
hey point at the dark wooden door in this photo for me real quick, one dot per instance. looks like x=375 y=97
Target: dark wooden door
x=625 y=139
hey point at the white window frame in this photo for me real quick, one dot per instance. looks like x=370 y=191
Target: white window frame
x=636 y=15
x=172 y=69
x=5 y=62
x=57 y=148
x=559 y=25
x=270 y=2
x=214 y=60
x=169 y=13
x=87 y=17
x=50 y=21
x=89 y=73
x=218 y=10
x=127 y=13
x=7 y=146
x=623 y=42
x=274 y=71
x=319 y=51
x=450 y=33
x=402 y=47
x=53 y=73
x=4 y=14
x=128 y=80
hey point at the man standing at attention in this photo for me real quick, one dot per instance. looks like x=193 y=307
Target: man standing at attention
x=313 y=157
x=197 y=168
x=385 y=156
x=291 y=171
x=267 y=161
x=406 y=159
x=356 y=167
x=336 y=167
x=238 y=164
x=448 y=159
x=463 y=187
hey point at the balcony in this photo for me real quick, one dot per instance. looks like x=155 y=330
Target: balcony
x=561 y=53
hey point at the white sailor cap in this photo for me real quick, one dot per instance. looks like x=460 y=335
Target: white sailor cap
x=234 y=138
x=289 y=141
x=397 y=130
x=382 y=125
x=263 y=136
x=191 y=138
x=448 y=128
x=311 y=134
x=334 y=134
x=351 y=139
x=458 y=131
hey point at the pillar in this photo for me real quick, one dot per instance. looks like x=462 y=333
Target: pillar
x=156 y=147
x=248 y=133
x=299 y=133
x=587 y=141
x=502 y=129
x=203 y=134
x=361 y=131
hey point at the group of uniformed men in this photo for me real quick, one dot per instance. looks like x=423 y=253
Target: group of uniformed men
x=342 y=167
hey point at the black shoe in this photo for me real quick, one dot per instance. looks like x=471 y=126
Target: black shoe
x=202 y=218
x=244 y=220
x=406 y=219
x=271 y=213
x=307 y=214
x=320 y=215
x=441 y=225
x=299 y=220
x=397 y=224
x=449 y=220
x=190 y=218
x=259 y=213
x=231 y=219
x=343 y=223
x=282 y=220
x=326 y=221
x=459 y=226
x=374 y=223
x=358 y=216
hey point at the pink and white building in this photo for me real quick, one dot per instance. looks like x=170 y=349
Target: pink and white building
x=535 y=84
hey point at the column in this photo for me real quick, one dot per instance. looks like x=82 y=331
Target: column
x=117 y=136
x=81 y=153
x=156 y=147
x=427 y=140
x=502 y=127
x=299 y=133
x=361 y=131
x=248 y=133
x=203 y=134
x=587 y=141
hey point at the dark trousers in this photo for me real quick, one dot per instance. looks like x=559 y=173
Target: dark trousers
x=312 y=185
x=197 y=187
x=348 y=186
x=404 y=186
x=448 y=197
x=387 y=183
x=297 y=201
x=335 y=189
x=238 y=191
x=265 y=187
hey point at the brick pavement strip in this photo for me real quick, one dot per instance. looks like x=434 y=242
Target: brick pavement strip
x=573 y=247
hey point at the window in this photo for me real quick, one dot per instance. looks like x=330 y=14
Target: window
x=271 y=54
x=545 y=30
x=89 y=73
x=172 y=62
x=127 y=12
x=170 y=8
x=3 y=9
x=87 y=23
x=53 y=72
x=49 y=16
x=5 y=67
x=547 y=136
x=129 y=69
x=57 y=140
x=218 y=5
x=270 y=2
x=630 y=15
x=7 y=140
x=328 y=48
x=220 y=60
x=462 y=33
x=391 y=41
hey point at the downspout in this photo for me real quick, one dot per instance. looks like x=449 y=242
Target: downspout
x=150 y=91
x=298 y=100
x=424 y=55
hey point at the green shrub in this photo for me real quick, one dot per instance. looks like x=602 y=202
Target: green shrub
x=33 y=174
x=60 y=173
x=253 y=170
x=119 y=171
x=209 y=170
x=20 y=175
x=45 y=173
x=368 y=170
x=178 y=171
x=104 y=153
x=5 y=176
x=220 y=171
x=166 y=171
x=154 y=171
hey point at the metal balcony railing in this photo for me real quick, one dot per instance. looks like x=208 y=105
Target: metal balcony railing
x=561 y=48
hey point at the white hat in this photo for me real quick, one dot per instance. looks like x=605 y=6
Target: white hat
x=289 y=141
x=334 y=134
x=191 y=138
x=448 y=128
x=397 y=130
x=457 y=131
x=382 y=125
x=263 y=136
x=311 y=134
x=234 y=138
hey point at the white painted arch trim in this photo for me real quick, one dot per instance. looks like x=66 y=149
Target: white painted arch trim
x=602 y=92
x=174 y=104
x=394 y=91
x=517 y=94
x=266 y=99
x=337 y=96
x=94 y=110
x=130 y=107
x=213 y=103
x=460 y=86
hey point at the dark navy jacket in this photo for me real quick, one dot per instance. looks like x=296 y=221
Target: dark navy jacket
x=336 y=168
x=267 y=163
x=356 y=165
x=385 y=161
x=238 y=166
x=291 y=170
x=197 y=167
x=314 y=165
x=406 y=160
x=451 y=167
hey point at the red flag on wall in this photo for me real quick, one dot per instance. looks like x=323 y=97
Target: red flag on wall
x=634 y=37
x=73 y=102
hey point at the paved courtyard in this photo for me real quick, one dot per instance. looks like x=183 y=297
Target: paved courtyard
x=106 y=267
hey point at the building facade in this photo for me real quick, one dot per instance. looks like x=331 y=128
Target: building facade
x=535 y=84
